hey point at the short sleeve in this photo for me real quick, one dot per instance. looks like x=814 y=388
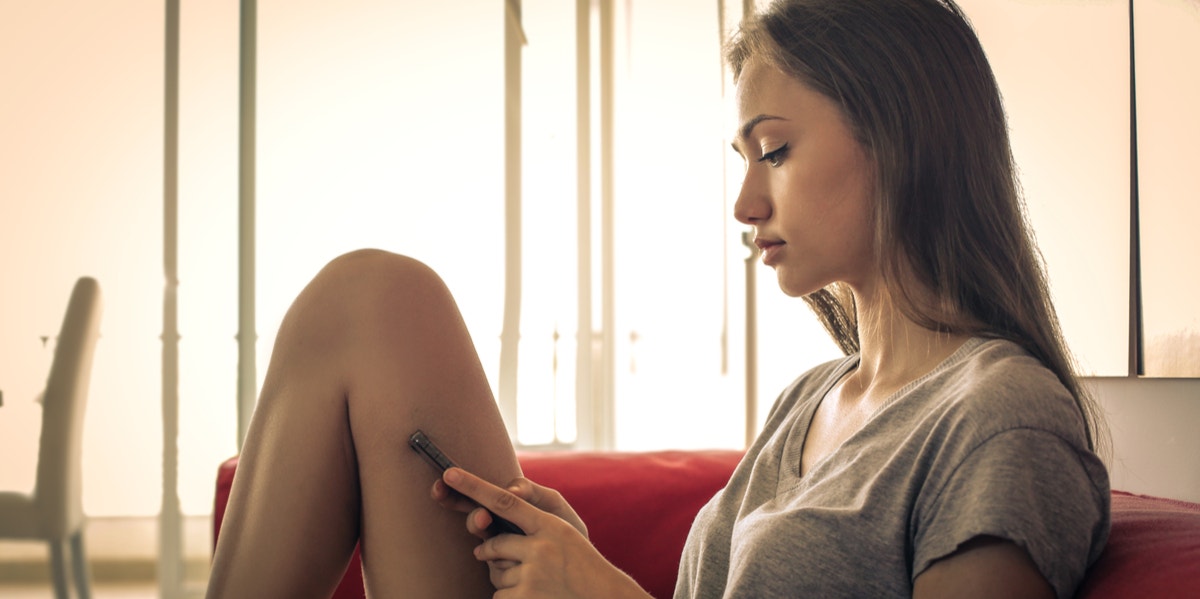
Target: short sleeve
x=1030 y=487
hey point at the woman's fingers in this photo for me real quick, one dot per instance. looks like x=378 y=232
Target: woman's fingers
x=548 y=500
x=553 y=559
x=451 y=499
x=504 y=577
x=543 y=498
x=479 y=523
x=502 y=549
x=500 y=502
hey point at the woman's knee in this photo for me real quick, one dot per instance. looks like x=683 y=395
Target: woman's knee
x=385 y=291
x=368 y=266
x=361 y=289
x=370 y=279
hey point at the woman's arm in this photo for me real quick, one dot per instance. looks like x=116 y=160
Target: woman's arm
x=983 y=568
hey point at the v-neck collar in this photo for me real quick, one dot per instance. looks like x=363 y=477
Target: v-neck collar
x=798 y=433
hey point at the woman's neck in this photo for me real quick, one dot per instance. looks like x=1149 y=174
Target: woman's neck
x=894 y=350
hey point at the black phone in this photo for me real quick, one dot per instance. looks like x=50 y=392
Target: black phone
x=421 y=444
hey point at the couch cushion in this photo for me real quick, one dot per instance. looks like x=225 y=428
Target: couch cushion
x=351 y=585
x=1153 y=550
x=638 y=506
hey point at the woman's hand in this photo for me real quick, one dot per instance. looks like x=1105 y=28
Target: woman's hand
x=553 y=559
x=544 y=498
x=479 y=520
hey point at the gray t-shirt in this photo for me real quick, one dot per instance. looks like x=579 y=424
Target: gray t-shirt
x=988 y=443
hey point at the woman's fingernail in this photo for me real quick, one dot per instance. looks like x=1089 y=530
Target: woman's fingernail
x=453 y=475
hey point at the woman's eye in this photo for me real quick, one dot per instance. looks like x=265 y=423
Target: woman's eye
x=774 y=157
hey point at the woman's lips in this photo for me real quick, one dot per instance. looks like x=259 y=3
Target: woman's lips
x=770 y=249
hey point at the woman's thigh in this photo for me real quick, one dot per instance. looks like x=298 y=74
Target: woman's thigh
x=373 y=349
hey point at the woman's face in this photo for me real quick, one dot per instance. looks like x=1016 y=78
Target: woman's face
x=808 y=184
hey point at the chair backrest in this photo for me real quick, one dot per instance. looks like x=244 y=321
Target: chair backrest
x=58 y=491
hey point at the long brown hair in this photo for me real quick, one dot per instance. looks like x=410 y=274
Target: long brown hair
x=913 y=82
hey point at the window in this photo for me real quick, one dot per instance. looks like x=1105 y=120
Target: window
x=623 y=207
x=1067 y=98
x=1167 y=39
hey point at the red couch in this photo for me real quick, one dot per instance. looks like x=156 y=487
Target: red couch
x=1153 y=551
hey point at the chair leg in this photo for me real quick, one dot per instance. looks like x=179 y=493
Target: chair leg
x=58 y=569
x=79 y=565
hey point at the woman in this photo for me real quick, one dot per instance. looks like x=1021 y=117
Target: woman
x=950 y=454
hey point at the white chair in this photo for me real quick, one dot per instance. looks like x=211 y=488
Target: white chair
x=54 y=512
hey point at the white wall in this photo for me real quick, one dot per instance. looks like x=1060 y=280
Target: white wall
x=1154 y=425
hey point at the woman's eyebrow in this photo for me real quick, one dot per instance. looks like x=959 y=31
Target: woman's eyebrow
x=748 y=127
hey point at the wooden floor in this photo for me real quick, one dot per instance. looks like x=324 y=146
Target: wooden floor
x=112 y=590
x=99 y=591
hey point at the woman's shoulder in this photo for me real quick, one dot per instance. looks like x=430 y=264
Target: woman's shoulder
x=995 y=385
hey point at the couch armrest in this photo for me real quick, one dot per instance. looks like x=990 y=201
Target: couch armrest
x=1153 y=550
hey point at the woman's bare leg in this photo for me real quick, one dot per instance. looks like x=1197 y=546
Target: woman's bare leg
x=371 y=350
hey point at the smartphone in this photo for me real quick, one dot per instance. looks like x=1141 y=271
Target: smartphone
x=421 y=444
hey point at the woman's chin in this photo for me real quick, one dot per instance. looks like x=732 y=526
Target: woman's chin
x=792 y=288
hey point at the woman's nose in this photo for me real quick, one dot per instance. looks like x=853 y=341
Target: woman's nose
x=752 y=206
